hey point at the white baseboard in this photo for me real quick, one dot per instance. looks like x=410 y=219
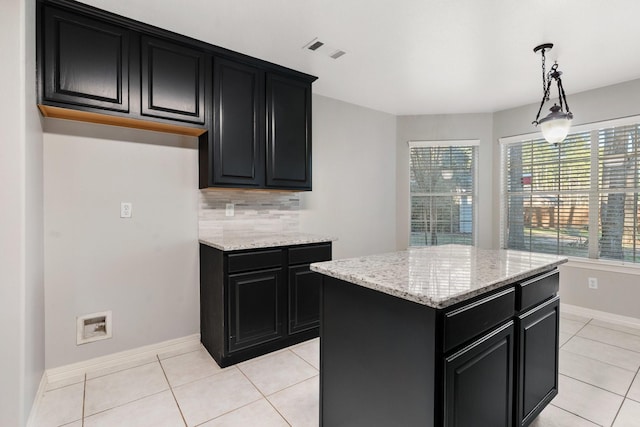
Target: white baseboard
x=31 y=421
x=191 y=342
x=600 y=315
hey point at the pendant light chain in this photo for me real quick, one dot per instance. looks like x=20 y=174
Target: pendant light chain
x=545 y=78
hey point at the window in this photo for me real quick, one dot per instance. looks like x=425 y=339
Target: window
x=442 y=192
x=578 y=198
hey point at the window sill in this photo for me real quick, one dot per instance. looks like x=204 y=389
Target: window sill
x=604 y=265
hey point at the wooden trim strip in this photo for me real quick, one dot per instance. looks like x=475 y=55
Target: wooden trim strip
x=85 y=116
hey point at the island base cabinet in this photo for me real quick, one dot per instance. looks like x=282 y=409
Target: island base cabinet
x=388 y=361
x=479 y=382
x=538 y=360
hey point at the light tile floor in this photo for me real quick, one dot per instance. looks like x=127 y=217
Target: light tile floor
x=599 y=386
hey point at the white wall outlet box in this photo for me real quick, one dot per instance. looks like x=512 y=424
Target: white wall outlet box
x=126 y=209
x=593 y=282
x=93 y=327
x=230 y=210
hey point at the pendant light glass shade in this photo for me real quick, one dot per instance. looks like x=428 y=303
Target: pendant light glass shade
x=555 y=127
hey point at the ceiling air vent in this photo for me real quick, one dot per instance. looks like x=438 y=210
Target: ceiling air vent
x=317 y=46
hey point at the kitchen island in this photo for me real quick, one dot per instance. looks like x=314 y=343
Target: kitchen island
x=439 y=336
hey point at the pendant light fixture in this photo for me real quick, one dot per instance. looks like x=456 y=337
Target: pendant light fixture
x=555 y=126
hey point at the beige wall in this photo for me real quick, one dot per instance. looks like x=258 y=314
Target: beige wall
x=619 y=287
x=354 y=178
x=143 y=269
x=446 y=127
x=21 y=280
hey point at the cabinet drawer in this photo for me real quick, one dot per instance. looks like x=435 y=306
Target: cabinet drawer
x=536 y=290
x=257 y=260
x=471 y=320
x=309 y=254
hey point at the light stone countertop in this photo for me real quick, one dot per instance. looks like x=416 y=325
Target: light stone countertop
x=254 y=240
x=439 y=276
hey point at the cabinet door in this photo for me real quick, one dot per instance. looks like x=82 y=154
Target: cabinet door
x=172 y=81
x=86 y=62
x=304 y=299
x=254 y=309
x=288 y=133
x=537 y=360
x=479 y=382
x=238 y=124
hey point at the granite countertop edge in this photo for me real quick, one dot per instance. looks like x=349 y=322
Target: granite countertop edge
x=437 y=303
x=236 y=243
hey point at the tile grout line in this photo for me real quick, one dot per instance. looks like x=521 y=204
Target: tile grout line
x=172 y=393
x=264 y=396
x=612 y=345
x=593 y=385
x=84 y=396
x=601 y=361
x=577 y=415
x=625 y=396
x=305 y=360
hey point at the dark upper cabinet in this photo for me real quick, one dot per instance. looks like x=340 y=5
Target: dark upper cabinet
x=172 y=81
x=238 y=121
x=288 y=154
x=86 y=61
x=246 y=151
x=252 y=118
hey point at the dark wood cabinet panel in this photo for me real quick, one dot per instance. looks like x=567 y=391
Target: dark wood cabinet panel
x=304 y=299
x=172 y=81
x=254 y=301
x=238 y=124
x=479 y=382
x=503 y=376
x=86 y=61
x=252 y=117
x=537 y=359
x=288 y=154
x=255 y=312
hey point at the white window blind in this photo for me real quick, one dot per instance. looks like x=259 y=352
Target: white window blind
x=578 y=198
x=442 y=192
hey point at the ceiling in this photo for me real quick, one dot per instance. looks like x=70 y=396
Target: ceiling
x=418 y=56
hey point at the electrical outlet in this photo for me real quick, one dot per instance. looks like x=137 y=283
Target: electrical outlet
x=230 y=210
x=126 y=209
x=593 y=282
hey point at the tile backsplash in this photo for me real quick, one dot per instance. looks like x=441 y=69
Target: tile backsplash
x=255 y=211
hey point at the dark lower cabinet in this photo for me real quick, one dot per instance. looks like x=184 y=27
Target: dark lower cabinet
x=256 y=301
x=85 y=61
x=172 y=81
x=255 y=312
x=479 y=382
x=537 y=377
x=304 y=299
x=484 y=362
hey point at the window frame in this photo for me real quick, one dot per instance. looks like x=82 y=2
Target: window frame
x=475 y=176
x=593 y=128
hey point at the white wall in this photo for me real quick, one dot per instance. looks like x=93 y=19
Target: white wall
x=619 y=288
x=353 y=178
x=21 y=286
x=446 y=127
x=144 y=269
